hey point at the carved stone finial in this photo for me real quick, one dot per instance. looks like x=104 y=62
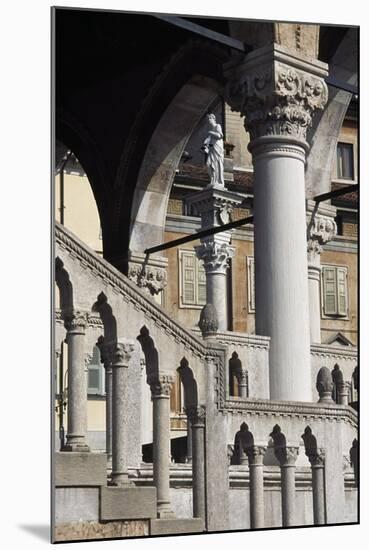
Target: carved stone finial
x=208 y=322
x=324 y=385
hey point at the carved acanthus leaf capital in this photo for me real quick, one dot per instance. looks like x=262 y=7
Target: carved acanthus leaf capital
x=196 y=415
x=256 y=454
x=275 y=97
x=215 y=256
x=317 y=458
x=121 y=353
x=75 y=321
x=161 y=385
x=286 y=456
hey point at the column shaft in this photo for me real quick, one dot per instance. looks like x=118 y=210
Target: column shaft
x=288 y=495
x=121 y=357
x=282 y=302
x=77 y=385
x=318 y=494
x=314 y=303
x=216 y=294
x=198 y=470
x=256 y=472
x=108 y=410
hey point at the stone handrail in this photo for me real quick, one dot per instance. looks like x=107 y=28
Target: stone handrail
x=101 y=268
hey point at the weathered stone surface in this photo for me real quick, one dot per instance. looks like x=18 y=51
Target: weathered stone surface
x=89 y=530
x=120 y=503
x=80 y=469
x=176 y=526
x=76 y=504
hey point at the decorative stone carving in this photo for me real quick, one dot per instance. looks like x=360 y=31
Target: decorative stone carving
x=208 y=322
x=75 y=321
x=286 y=456
x=122 y=353
x=321 y=228
x=214 y=152
x=324 y=385
x=196 y=415
x=215 y=256
x=88 y=359
x=152 y=280
x=317 y=460
x=256 y=454
x=161 y=386
x=275 y=96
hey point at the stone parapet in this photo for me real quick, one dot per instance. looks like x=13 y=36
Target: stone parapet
x=80 y=469
x=122 y=503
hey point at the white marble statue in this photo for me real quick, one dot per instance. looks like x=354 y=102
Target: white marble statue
x=214 y=152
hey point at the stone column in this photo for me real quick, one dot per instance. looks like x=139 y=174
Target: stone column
x=160 y=394
x=321 y=228
x=196 y=416
x=278 y=94
x=121 y=355
x=287 y=458
x=189 y=442
x=256 y=468
x=317 y=471
x=105 y=354
x=344 y=392
x=242 y=383
x=75 y=324
x=215 y=205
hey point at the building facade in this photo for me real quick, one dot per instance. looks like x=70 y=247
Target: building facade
x=238 y=355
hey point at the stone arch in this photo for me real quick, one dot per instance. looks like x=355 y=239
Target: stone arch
x=64 y=284
x=189 y=384
x=151 y=355
x=243 y=442
x=327 y=124
x=109 y=321
x=76 y=137
x=175 y=104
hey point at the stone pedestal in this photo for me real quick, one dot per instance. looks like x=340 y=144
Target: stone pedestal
x=321 y=228
x=75 y=323
x=160 y=394
x=196 y=417
x=215 y=205
x=317 y=472
x=121 y=356
x=256 y=468
x=287 y=458
x=278 y=93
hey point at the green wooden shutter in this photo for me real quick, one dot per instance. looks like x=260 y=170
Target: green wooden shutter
x=201 y=283
x=188 y=278
x=342 y=291
x=330 y=290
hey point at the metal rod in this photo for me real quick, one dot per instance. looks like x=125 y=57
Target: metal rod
x=206 y=33
x=198 y=235
x=237 y=223
x=337 y=193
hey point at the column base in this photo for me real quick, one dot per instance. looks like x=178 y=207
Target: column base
x=120 y=480
x=165 y=512
x=76 y=448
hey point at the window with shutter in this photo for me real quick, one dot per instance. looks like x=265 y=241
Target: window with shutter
x=192 y=280
x=251 y=283
x=95 y=374
x=345 y=161
x=334 y=283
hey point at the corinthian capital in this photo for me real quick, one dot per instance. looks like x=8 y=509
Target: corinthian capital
x=277 y=92
x=161 y=385
x=321 y=227
x=196 y=415
x=215 y=255
x=75 y=321
x=121 y=353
